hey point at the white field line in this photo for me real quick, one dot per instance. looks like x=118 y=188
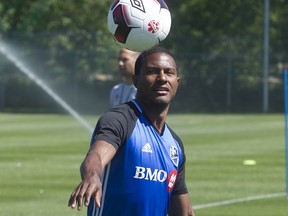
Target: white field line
x=239 y=200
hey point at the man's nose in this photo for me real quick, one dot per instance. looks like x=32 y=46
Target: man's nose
x=162 y=75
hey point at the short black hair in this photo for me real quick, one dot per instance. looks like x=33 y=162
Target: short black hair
x=141 y=58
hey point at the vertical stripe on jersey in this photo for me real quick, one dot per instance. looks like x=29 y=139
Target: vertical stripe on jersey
x=104 y=180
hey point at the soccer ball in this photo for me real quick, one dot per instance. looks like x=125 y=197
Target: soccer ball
x=139 y=25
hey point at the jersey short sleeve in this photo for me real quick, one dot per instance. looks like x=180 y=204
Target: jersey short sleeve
x=180 y=185
x=115 y=125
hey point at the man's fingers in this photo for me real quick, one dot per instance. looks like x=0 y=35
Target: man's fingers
x=98 y=196
x=87 y=197
x=72 y=200
x=79 y=201
x=76 y=198
x=82 y=196
x=91 y=190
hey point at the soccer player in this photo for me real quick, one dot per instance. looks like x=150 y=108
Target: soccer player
x=125 y=90
x=136 y=163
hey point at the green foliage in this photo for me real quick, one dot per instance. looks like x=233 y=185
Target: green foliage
x=81 y=27
x=201 y=26
x=52 y=15
x=213 y=41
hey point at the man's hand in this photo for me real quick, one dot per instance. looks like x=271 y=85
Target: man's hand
x=90 y=186
x=98 y=156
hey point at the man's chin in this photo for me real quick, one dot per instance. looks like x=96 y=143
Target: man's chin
x=161 y=101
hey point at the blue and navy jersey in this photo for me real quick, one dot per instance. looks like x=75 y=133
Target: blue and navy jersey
x=147 y=168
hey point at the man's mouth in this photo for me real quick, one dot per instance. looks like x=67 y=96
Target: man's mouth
x=162 y=90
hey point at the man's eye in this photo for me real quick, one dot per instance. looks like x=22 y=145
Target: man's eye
x=151 y=71
x=169 y=72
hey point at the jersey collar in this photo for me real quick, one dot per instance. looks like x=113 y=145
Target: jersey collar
x=137 y=105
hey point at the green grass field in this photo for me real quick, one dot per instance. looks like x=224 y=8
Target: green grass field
x=40 y=157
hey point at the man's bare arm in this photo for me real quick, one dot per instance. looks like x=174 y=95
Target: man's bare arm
x=98 y=156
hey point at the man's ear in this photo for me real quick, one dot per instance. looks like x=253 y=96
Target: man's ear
x=134 y=79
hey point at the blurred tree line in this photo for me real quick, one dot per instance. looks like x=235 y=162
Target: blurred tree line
x=218 y=46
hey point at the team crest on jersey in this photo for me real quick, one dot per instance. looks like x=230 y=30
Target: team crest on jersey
x=174 y=155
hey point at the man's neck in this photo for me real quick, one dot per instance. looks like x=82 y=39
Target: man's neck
x=155 y=113
x=128 y=80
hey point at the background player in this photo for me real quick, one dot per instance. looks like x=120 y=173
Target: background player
x=124 y=91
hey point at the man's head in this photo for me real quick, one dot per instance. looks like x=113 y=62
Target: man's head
x=156 y=77
x=126 y=62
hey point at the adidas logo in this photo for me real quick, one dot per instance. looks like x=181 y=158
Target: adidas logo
x=147 y=148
